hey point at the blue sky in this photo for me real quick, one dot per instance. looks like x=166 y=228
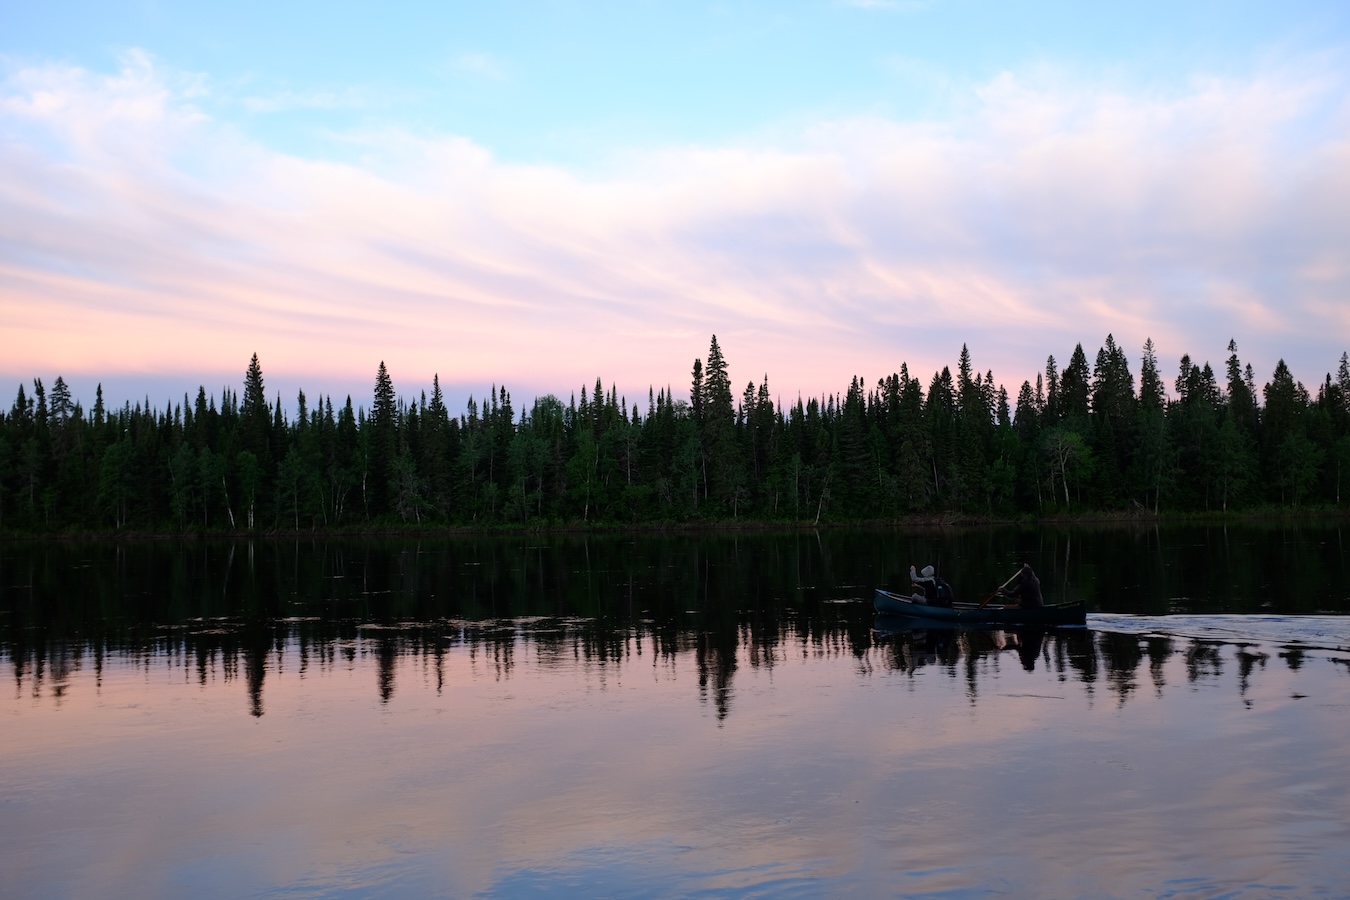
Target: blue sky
x=550 y=192
x=577 y=81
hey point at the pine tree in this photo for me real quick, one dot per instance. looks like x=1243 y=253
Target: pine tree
x=1111 y=434
x=1152 y=466
x=437 y=406
x=940 y=417
x=1343 y=383
x=1152 y=393
x=852 y=459
x=383 y=441
x=1241 y=403
x=1282 y=406
x=1051 y=413
x=1025 y=419
x=1074 y=388
x=719 y=427
x=255 y=397
x=61 y=405
x=696 y=393
x=255 y=417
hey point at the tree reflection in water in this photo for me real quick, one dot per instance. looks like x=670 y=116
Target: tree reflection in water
x=228 y=610
x=226 y=651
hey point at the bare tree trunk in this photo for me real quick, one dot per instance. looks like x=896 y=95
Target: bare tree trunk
x=228 y=509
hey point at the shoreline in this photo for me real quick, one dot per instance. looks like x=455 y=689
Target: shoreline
x=915 y=523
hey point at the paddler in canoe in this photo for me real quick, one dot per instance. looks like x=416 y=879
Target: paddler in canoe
x=1026 y=594
x=927 y=588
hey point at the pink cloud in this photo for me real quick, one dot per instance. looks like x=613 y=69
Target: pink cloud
x=141 y=234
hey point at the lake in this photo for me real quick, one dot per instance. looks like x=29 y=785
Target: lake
x=674 y=715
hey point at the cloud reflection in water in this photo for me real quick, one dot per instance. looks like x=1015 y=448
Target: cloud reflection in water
x=563 y=756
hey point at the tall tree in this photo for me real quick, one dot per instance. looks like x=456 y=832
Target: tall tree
x=1051 y=412
x=1074 y=390
x=719 y=427
x=1241 y=403
x=383 y=442
x=1153 y=458
x=1287 y=453
x=1111 y=435
x=1152 y=392
x=255 y=414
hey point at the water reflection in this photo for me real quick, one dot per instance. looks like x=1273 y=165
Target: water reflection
x=247 y=611
x=666 y=717
x=226 y=652
x=1284 y=568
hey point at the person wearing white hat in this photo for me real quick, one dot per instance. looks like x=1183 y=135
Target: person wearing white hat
x=924 y=584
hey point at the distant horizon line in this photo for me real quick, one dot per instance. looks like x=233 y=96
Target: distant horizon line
x=489 y=392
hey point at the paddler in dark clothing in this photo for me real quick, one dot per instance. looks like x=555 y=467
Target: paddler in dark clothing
x=1027 y=593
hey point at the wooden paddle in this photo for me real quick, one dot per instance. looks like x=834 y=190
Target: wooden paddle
x=986 y=600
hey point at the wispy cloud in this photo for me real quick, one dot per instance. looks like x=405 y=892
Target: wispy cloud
x=136 y=233
x=289 y=101
x=481 y=65
x=894 y=5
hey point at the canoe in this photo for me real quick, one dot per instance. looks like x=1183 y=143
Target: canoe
x=1073 y=612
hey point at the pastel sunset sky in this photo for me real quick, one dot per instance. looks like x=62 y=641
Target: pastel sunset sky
x=545 y=193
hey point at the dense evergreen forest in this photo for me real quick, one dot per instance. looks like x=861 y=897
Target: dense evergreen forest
x=1081 y=440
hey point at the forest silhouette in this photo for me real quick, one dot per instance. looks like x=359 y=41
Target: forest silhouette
x=1084 y=440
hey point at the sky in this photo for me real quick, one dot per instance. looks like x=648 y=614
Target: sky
x=543 y=194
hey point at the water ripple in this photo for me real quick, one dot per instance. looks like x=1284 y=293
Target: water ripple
x=1303 y=632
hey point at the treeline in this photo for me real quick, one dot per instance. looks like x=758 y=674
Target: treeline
x=1087 y=438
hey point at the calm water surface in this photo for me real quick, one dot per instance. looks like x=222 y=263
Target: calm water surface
x=674 y=716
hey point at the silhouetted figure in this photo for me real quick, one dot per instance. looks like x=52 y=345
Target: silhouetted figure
x=1027 y=592
x=921 y=585
x=928 y=588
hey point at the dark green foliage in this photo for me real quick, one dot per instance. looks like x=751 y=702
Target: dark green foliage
x=1079 y=441
x=1075 y=390
x=254 y=414
x=382 y=484
x=724 y=479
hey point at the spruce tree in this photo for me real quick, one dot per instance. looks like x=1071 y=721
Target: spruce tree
x=61 y=405
x=1074 y=390
x=719 y=426
x=1112 y=421
x=1025 y=419
x=1241 y=402
x=1343 y=379
x=255 y=417
x=940 y=418
x=383 y=441
x=695 y=393
x=1152 y=465
x=1152 y=393
x=1050 y=414
x=255 y=397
